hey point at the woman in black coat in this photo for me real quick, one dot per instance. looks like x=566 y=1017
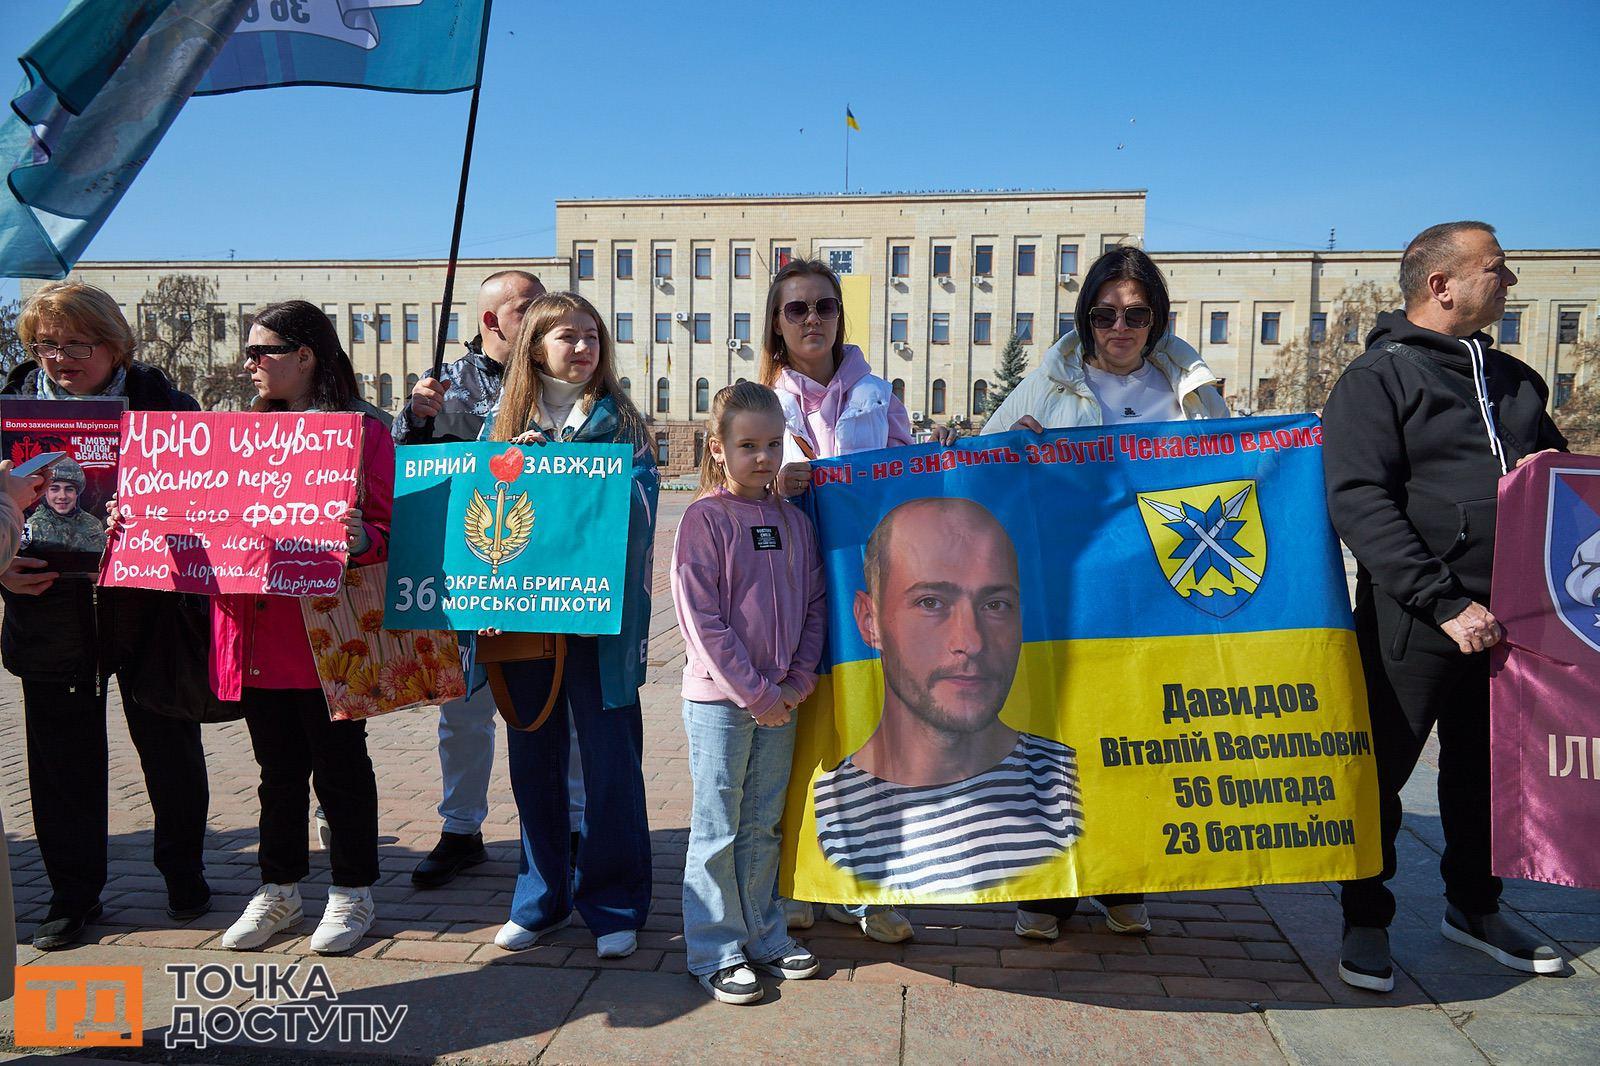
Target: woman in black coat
x=60 y=636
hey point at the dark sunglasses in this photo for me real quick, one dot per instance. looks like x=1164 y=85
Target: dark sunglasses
x=44 y=349
x=826 y=308
x=254 y=353
x=1104 y=317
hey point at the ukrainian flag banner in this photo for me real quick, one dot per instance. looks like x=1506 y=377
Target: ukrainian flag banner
x=1096 y=660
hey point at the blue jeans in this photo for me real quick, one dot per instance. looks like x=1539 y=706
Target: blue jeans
x=466 y=759
x=608 y=879
x=741 y=775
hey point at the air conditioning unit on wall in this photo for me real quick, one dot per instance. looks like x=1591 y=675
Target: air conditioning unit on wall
x=681 y=316
x=734 y=344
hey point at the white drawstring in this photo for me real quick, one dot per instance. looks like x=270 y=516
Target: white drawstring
x=1480 y=386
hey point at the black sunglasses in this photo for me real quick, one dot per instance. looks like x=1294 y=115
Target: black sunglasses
x=254 y=353
x=828 y=308
x=1105 y=317
x=44 y=349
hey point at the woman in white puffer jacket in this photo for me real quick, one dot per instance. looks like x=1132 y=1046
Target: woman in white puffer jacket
x=1119 y=366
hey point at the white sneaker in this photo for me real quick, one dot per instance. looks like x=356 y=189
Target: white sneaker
x=798 y=914
x=886 y=925
x=514 y=937
x=345 y=920
x=273 y=908
x=617 y=945
x=1124 y=917
x=1036 y=926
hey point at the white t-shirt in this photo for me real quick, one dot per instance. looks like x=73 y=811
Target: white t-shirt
x=1142 y=396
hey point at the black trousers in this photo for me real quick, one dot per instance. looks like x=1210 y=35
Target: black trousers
x=1067 y=906
x=297 y=746
x=1416 y=678
x=67 y=770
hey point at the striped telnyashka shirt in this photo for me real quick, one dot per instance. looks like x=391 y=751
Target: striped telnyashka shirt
x=960 y=837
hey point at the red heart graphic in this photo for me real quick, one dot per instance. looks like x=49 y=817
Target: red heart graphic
x=507 y=466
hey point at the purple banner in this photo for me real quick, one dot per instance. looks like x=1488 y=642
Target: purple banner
x=1545 y=682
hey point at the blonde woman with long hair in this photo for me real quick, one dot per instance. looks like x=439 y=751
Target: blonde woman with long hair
x=561 y=385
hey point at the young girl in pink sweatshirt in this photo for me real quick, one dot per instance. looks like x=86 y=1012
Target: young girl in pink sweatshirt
x=748 y=587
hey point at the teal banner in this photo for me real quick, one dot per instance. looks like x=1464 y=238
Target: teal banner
x=527 y=539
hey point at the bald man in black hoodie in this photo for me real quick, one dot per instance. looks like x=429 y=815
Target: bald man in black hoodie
x=1419 y=431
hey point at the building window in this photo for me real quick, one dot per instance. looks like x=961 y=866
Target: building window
x=1024 y=329
x=1063 y=324
x=385 y=328
x=699 y=448
x=585 y=264
x=1025 y=260
x=941 y=328
x=741 y=262
x=358 y=328
x=702 y=262
x=898 y=388
x=981 y=328
x=938 y=396
x=413 y=327
x=219 y=326
x=333 y=320
x=980 y=396
x=625 y=263
x=385 y=391
x=663 y=262
x=1352 y=329
x=625 y=329
x=1511 y=327
x=781 y=254
x=1269 y=327
x=452 y=327
x=899 y=328
x=741 y=326
x=1219 y=327
x=627 y=387
x=702 y=396
x=663 y=395
x=1174 y=321
x=1069 y=260
x=663 y=329
x=941 y=260
x=411 y=384
x=1319 y=327
x=842 y=260
x=1564 y=384
x=1567 y=327
x=1266 y=394
x=663 y=452
x=702 y=328
x=983 y=260
x=900 y=261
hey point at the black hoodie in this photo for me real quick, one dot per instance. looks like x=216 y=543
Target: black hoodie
x=1412 y=469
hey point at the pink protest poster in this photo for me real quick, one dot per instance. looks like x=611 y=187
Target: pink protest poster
x=234 y=503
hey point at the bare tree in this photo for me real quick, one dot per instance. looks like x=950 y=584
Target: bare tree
x=1579 y=416
x=1306 y=368
x=184 y=330
x=11 y=350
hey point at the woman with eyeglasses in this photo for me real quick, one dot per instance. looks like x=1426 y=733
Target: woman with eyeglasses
x=261 y=656
x=1125 y=367
x=63 y=637
x=833 y=404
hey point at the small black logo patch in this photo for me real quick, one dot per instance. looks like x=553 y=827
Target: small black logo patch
x=766 y=538
x=1128 y=412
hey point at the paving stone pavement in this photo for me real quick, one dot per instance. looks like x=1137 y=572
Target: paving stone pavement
x=1245 y=974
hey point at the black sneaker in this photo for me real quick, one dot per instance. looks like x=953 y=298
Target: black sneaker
x=732 y=984
x=1501 y=941
x=63 y=931
x=1364 y=959
x=454 y=853
x=189 y=900
x=794 y=966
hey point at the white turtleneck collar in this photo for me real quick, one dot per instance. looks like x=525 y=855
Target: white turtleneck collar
x=558 y=402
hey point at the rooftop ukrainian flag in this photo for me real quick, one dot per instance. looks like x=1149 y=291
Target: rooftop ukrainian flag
x=103 y=86
x=1093 y=660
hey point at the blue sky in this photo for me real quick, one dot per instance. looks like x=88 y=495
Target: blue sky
x=1252 y=125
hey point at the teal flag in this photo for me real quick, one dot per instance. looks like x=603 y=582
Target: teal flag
x=102 y=87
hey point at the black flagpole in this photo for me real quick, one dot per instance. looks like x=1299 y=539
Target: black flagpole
x=461 y=206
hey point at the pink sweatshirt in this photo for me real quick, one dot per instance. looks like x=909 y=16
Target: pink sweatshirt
x=854 y=412
x=748 y=588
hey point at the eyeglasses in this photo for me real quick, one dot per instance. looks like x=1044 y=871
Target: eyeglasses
x=1105 y=316
x=254 y=353
x=827 y=309
x=46 y=350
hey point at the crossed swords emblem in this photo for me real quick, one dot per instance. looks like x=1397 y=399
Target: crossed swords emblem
x=1230 y=510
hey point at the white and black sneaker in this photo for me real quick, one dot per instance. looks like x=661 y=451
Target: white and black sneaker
x=732 y=984
x=1501 y=941
x=1364 y=959
x=794 y=966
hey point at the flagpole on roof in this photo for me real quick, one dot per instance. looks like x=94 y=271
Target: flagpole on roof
x=847 y=147
x=461 y=204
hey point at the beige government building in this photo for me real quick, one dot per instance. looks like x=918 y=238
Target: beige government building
x=935 y=285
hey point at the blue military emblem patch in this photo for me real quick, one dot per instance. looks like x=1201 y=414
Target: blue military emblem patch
x=1209 y=541
x=1572 y=551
